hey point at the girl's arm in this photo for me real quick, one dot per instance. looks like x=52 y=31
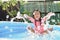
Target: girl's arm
x=48 y=16
x=29 y=18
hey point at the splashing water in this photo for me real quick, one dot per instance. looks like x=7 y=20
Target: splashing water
x=49 y=36
x=19 y=16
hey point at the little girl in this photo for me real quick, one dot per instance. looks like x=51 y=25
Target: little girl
x=39 y=22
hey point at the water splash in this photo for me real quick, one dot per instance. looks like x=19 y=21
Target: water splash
x=19 y=16
x=50 y=36
x=32 y=36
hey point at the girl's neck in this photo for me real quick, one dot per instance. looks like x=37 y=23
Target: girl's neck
x=37 y=19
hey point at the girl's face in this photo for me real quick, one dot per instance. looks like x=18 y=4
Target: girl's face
x=37 y=15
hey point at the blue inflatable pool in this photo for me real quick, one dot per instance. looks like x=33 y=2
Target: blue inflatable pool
x=17 y=31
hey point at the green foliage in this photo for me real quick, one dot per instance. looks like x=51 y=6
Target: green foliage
x=0 y=2
x=10 y=4
x=26 y=12
x=7 y=5
x=13 y=12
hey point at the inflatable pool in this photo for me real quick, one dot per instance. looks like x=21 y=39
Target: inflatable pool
x=17 y=31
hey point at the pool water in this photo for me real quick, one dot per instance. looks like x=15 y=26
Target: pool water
x=17 y=31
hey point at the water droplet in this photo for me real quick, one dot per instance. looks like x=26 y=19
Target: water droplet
x=6 y=27
x=53 y=20
x=10 y=35
x=11 y=30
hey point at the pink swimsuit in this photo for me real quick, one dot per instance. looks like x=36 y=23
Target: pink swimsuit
x=39 y=28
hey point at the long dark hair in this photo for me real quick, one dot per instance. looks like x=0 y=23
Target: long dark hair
x=39 y=18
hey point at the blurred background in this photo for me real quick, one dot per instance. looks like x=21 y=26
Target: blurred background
x=9 y=8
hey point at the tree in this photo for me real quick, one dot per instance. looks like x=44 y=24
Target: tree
x=10 y=6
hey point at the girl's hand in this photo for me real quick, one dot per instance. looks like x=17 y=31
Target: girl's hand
x=47 y=17
x=51 y=14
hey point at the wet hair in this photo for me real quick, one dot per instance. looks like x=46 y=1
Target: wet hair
x=39 y=18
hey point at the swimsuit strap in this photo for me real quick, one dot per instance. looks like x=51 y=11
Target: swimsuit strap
x=36 y=21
